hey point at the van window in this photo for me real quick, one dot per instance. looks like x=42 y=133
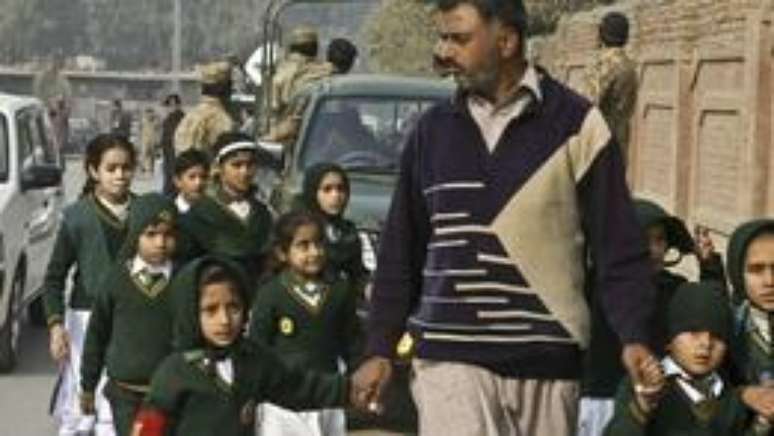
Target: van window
x=3 y=149
x=34 y=147
x=24 y=137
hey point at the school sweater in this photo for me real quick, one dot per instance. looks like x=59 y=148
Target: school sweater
x=211 y=227
x=198 y=401
x=129 y=332
x=302 y=333
x=484 y=253
x=676 y=415
x=89 y=237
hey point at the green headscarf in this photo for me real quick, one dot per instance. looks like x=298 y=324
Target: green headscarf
x=187 y=293
x=313 y=176
x=145 y=210
x=736 y=254
x=649 y=213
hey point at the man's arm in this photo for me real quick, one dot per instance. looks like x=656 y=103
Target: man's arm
x=618 y=250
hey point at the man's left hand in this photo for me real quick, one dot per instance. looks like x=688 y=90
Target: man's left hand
x=636 y=357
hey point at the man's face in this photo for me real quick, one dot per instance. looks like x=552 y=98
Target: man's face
x=468 y=49
x=759 y=272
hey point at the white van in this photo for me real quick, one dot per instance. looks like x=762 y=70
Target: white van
x=31 y=197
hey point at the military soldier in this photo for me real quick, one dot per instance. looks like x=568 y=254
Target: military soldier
x=298 y=68
x=612 y=79
x=209 y=119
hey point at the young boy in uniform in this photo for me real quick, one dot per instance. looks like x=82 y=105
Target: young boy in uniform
x=229 y=220
x=192 y=170
x=693 y=399
x=603 y=371
x=130 y=329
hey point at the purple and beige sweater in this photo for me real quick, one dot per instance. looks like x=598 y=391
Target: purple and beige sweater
x=484 y=255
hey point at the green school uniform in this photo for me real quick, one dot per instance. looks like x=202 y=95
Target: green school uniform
x=752 y=356
x=90 y=238
x=343 y=248
x=676 y=415
x=211 y=227
x=130 y=328
x=199 y=401
x=307 y=330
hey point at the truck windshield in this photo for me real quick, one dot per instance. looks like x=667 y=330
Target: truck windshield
x=360 y=133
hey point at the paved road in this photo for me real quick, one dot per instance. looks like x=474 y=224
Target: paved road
x=25 y=393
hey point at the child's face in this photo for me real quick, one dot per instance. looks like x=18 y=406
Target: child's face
x=332 y=194
x=759 y=272
x=306 y=255
x=113 y=175
x=698 y=353
x=657 y=245
x=237 y=172
x=221 y=314
x=191 y=183
x=157 y=243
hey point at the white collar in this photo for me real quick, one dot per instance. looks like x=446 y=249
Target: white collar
x=182 y=204
x=120 y=211
x=241 y=208
x=139 y=265
x=529 y=81
x=759 y=321
x=225 y=370
x=671 y=368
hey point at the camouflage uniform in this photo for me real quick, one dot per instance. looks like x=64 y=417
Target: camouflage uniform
x=611 y=84
x=209 y=119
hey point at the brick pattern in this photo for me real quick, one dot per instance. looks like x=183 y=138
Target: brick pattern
x=701 y=134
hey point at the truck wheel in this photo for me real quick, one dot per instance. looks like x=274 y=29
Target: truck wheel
x=11 y=330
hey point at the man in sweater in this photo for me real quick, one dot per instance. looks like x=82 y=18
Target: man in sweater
x=503 y=195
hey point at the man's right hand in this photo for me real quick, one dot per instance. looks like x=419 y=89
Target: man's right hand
x=59 y=343
x=369 y=382
x=760 y=399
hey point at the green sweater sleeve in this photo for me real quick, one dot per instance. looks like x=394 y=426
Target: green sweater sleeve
x=98 y=336
x=297 y=389
x=628 y=419
x=62 y=259
x=262 y=323
x=167 y=388
x=351 y=328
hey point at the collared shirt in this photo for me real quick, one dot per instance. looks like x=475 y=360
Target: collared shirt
x=672 y=369
x=182 y=204
x=759 y=321
x=140 y=265
x=225 y=370
x=493 y=119
x=120 y=211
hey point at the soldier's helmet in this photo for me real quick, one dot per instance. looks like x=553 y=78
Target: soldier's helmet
x=303 y=35
x=214 y=73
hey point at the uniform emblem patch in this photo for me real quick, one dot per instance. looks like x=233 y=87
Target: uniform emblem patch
x=286 y=326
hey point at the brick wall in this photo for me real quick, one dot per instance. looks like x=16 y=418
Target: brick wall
x=702 y=142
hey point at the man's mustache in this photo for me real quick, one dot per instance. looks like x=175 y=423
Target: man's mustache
x=445 y=67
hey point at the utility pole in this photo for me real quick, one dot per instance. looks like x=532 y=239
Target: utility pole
x=176 y=45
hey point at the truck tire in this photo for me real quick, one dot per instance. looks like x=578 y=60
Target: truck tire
x=11 y=330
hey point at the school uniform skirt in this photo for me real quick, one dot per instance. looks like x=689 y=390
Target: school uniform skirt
x=66 y=406
x=276 y=421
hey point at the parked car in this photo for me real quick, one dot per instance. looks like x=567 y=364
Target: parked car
x=31 y=198
x=359 y=122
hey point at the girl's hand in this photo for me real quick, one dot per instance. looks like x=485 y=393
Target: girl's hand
x=649 y=391
x=59 y=344
x=705 y=248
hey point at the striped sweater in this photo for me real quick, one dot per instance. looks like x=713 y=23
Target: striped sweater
x=484 y=254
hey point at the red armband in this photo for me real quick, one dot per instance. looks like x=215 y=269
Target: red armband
x=149 y=422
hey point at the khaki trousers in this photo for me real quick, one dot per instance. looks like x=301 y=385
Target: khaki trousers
x=455 y=399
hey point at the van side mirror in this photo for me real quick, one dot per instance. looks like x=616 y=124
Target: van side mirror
x=40 y=176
